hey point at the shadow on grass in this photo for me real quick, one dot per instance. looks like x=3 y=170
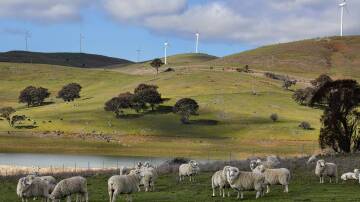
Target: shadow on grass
x=26 y=127
x=161 y=110
x=130 y=116
x=204 y=122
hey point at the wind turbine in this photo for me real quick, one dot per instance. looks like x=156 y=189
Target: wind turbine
x=342 y=6
x=197 y=42
x=166 y=45
x=138 y=54
x=81 y=41
x=27 y=37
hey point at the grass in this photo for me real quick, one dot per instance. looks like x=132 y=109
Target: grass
x=231 y=118
x=304 y=187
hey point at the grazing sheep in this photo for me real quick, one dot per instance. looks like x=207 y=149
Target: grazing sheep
x=219 y=180
x=277 y=176
x=125 y=170
x=49 y=179
x=245 y=181
x=67 y=187
x=189 y=169
x=349 y=176
x=36 y=187
x=148 y=180
x=324 y=169
x=124 y=184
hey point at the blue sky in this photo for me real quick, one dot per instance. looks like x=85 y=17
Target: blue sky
x=119 y=27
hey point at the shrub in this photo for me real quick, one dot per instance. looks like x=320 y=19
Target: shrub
x=274 y=117
x=118 y=104
x=157 y=63
x=305 y=125
x=6 y=112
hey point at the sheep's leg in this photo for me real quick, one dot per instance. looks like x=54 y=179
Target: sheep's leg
x=213 y=194
x=242 y=195
x=238 y=195
x=223 y=192
x=68 y=199
x=115 y=194
x=110 y=195
x=258 y=193
x=330 y=179
x=286 y=188
x=228 y=192
x=267 y=189
x=190 y=178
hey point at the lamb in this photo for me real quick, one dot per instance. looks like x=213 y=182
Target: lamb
x=245 y=181
x=67 y=187
x=349 y=176
x=124 y=184
x=188 y=169
x=277 y=176
x=219 y=180
x=36 y=187
x=324 y=169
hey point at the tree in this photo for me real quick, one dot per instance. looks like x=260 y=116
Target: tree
x=33 y=96
x=17 y=118
x=157 y=63
x=70 y=92
x=340 y=121
x=143 y=86
x=320 y=81
x=185 y=108
x=149 y=96
x=119 y=103
x=6 y=112
x=303 y=96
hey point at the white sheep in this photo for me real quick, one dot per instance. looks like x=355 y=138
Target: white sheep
x=245 y=181
x=219 y=180
x=125 y=170
x=274 y=176
x=67 y=187
x=36 y=187
x=189 y=169
x=349 y=176
x=124 y=184
x=20 y=187
x=324 y=169
x=271 y=162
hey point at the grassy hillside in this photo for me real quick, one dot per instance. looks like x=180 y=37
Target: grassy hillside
x=179 y=61
x=339 y=57
x=231 y=118
x=83 y=60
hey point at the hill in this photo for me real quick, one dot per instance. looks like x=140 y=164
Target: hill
x=83 y=60
x=187 y=60
x=231 y=119
x=339 y=57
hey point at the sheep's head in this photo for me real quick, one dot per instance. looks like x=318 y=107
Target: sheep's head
x=356 y=170
x=260 y=168
x=27 y=182
x=139 y=165
x=193 y=164
x=254 y=163
x=147 y=164
x=321 y=163
x=232 y=173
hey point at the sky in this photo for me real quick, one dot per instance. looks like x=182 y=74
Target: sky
x=119 y=28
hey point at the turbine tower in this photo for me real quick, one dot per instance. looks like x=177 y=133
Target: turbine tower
x=166 y=45
x=342 y=6
x=27 y=37
x=81 y=41
x=197 y=42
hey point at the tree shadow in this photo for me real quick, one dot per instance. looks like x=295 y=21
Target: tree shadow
x=160 y=110
x=26 y=127
x=130 y=116
x=204 y=122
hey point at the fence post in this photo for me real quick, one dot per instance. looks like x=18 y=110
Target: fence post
x=75 y=168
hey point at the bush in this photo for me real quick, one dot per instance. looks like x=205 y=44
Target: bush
x=33 y=96
x=185 y=108
x=274 y=117
x=305 y=125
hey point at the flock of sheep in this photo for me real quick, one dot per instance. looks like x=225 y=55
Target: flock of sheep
x=263 y=174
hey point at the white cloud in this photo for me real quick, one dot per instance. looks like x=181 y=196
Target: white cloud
x=255 y=21
x=130 y=10
x=42 y=10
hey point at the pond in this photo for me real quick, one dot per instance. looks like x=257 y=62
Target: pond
x=80 y=161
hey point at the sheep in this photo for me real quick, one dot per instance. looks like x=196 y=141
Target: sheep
x=324 y=169
x=67 y=187
x=20 y=187
x=312 y=159
x=188 y=169
x=36 y=187
x=245 y=181
x=124 y=184
x=271 y=162
x=349 y=176
x=148 y=180
x=219 y=180
x=277 y=176
x=125 y=170
x=357 y=173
